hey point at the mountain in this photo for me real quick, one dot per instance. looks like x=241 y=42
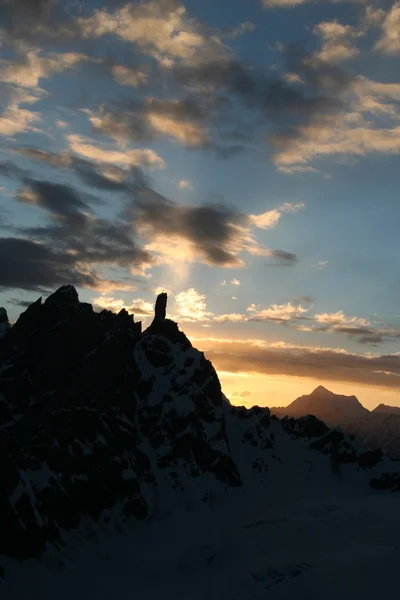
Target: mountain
x=387 y=410
x=331 y=408
x=379 y=428
x=123 y=437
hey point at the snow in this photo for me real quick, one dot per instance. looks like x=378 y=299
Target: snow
x=303 y=533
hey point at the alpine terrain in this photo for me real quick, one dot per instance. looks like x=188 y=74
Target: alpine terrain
x=379 y=428
x=125 y=472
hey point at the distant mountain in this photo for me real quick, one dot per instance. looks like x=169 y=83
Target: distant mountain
x=379 y=428
x=102 y=423
x=331 y=408
x=387 y=410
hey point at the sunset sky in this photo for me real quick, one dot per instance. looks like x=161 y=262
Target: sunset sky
x=243 y=155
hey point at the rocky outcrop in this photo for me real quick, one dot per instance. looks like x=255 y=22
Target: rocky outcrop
x=98 y=418
x=308 y=426
x=160 y=310
x=387 y=481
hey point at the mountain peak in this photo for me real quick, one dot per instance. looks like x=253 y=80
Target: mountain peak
x=321 y=390
x=66 y=295
x=160 y=309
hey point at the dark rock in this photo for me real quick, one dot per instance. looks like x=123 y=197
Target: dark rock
x=370 y=459
x=387 y=481
x=160 y=310
x=77 y=415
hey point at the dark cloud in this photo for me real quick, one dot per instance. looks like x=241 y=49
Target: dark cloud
x=304 y=300
x=383 y=371
x=283 y=258
x=32 y=266
x=211 y=228
x=228 y=74
x=107 y=178
x=62 y=202
x=35 y=21
x=76 y=236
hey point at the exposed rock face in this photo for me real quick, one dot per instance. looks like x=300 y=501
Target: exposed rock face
x=95 y=415
x=387 y=481
x=99 y=420
x=160 y=310
x=308 y=426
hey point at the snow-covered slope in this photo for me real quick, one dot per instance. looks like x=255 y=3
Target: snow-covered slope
x=125 y=437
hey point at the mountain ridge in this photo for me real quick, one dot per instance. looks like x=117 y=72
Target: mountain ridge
x=104 y=423
x=379 y=427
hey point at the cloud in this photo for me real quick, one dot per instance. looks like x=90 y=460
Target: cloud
x=191 y=306
x=30 y=265
x=137 y=307
x=143 y=156
x=181 y=119
x=14 y=119
x=76 y=234
x=211 y=233
x=294 y=3
x=340 y=319
x=336 y=136
x=232 y=317
x=282 y=258
x=241 y=29
x=389 y=42
x=258 y=356
x=98 y=175
x=270 y=218
x=282 y=3
x=337 y=41
x=160 y=289
x=280 y=313
x=61 y=201
x=162 y=29
x=29 y=68
x=129 y=76
x=184 y=184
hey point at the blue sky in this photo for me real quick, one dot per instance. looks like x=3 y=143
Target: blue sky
x=241 y=155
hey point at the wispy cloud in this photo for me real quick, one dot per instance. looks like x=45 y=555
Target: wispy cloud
x=258 y=356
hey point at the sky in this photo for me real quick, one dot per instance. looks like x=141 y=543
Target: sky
x=242 y=156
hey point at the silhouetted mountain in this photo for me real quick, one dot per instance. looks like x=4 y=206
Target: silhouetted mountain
x=379 y=428
x=387 y=410
x=331 y=408
x=100 y=421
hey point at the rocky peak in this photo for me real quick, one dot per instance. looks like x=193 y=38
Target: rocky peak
x=66 y=295
x=160 y=309
x=321 y=390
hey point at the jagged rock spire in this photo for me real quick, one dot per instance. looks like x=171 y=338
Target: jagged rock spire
x=160 y=309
